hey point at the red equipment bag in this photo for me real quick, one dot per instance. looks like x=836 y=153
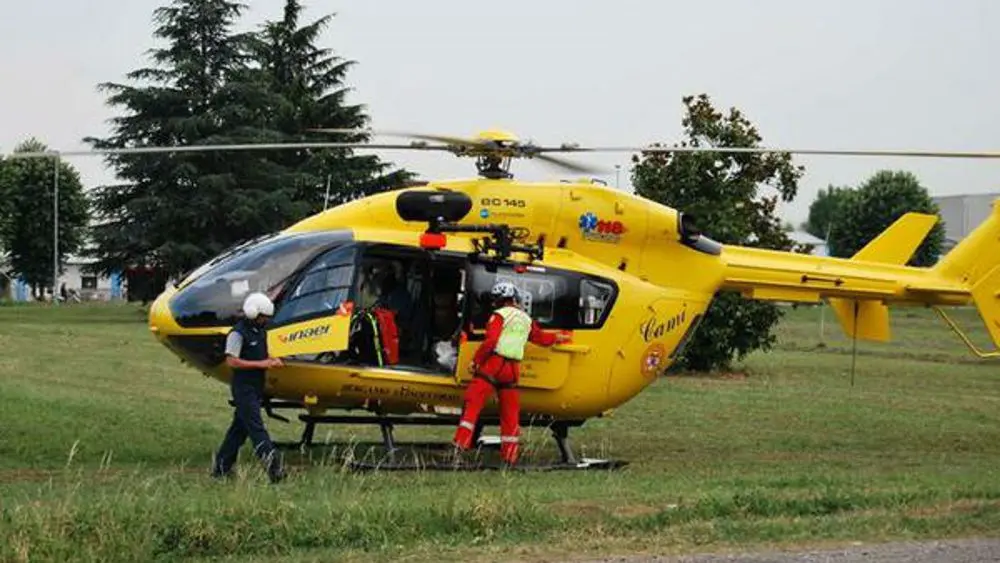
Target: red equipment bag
x=388 y=334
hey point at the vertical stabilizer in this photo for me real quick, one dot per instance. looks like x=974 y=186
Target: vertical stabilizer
x=895 y=245
x=975 y=262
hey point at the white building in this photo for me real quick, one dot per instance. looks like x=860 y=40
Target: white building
x=802 y=237
x=962 y=214
x=86 y=286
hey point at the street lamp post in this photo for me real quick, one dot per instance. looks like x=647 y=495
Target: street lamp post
x=55 y=229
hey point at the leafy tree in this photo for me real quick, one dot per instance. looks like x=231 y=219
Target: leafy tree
x=876 y=204
x=27 y=186
x=824 y=209
x=723 y=191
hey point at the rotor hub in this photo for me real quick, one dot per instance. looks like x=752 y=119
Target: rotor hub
x=492 y=149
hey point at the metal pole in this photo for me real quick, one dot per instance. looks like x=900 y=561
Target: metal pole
x=822 y=305
x=326 y=198
x=822 y=319
x=55 y=229
x=618 y=169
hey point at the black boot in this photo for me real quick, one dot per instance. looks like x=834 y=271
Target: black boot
x=275 y=469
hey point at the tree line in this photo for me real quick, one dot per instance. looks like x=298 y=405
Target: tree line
x=206 y=84
x=210 y=85
x=848 y=217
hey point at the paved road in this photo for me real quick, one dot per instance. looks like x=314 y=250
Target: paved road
x=955 y=551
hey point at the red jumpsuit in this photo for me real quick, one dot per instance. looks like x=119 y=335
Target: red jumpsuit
x=504 y=372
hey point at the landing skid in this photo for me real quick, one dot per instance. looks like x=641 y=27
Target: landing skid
x=583 y=464
x=394 y=459
x=456 y=461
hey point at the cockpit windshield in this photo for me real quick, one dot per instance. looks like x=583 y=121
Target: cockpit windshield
x=215 y=297
x=226 y=255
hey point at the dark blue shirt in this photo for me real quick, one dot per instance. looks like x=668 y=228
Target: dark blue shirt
x=247 y=341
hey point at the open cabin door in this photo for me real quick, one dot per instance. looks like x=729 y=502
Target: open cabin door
x=542 y=368
x=314 y=315
x=551 y=298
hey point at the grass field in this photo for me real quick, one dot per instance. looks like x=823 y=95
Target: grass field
x=105 y=442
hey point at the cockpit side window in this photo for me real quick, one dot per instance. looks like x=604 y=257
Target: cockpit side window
x=323 y=287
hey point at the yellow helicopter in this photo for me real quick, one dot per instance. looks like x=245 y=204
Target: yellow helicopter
x=627 y=278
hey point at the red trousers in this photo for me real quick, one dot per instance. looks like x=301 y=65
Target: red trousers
x=476 y=395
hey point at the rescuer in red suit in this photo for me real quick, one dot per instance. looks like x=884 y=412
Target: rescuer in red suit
x=496 y=367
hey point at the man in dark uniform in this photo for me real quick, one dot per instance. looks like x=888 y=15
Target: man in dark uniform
x=246 y=353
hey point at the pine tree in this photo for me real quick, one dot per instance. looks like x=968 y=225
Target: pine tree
x=213 y=86
x=175 y=210
x=310 y=83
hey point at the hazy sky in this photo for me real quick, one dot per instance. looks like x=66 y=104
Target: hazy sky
x=914 y=74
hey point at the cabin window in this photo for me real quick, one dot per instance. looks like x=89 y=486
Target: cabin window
x=541 y=295
x=323 y=286
x=595 y=298
x=557 y=299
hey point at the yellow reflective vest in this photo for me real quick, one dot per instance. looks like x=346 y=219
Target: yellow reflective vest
x=514 y=336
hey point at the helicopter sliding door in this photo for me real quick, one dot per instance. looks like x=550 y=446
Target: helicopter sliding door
x=314 y=315
x=557 y=299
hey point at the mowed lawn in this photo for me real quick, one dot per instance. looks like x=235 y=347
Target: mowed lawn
x=106 y=440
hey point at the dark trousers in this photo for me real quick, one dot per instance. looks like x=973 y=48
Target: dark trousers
x=248 y=395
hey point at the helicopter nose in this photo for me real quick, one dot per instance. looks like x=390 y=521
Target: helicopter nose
x=201 y=351
x=160 y=320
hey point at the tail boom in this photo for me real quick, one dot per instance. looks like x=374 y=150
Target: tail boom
x=780 y=276
x=860 y=288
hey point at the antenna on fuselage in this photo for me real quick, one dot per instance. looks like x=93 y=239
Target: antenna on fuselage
x=854 y=342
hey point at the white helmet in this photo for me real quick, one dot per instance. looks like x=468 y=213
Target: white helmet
x=257 y=304
x=504 y=290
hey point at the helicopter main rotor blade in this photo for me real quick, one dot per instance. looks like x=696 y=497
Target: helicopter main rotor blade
x=525 y=149
x=574 y=148
x=238 y=147
x=420 y=136
x=766 y=150
x=568 y=164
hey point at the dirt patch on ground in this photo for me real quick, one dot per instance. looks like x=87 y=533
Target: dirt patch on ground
x=953 y=551
x=635 y=510
x=966 y=506
x=592 y=509
x=577 y=508
x=26 y=475
x=711 y=376
x=733 y=375
x=92 y=475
